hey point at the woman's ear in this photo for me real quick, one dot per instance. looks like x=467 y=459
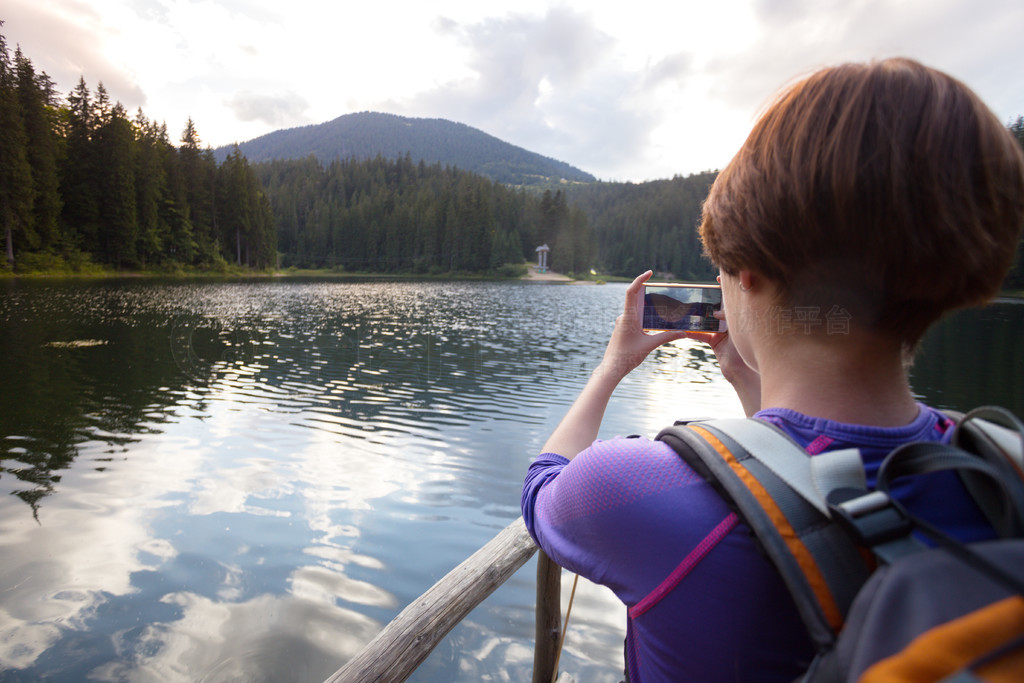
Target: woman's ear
x=747 y=280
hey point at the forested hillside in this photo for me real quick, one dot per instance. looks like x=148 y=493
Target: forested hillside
x=369 y=134
x=82 y=182
x=384 y=215
x=647 y=225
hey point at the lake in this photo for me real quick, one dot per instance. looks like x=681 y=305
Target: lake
x=246 y=480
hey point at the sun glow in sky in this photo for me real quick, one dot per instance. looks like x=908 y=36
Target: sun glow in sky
x=626 y=90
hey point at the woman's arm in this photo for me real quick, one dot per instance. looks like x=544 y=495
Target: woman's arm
x=626 y=349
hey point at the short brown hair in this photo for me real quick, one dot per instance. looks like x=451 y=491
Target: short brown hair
x=887 y=188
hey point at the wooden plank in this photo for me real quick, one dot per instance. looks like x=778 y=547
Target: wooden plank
x=549 y=618
x=411 y=636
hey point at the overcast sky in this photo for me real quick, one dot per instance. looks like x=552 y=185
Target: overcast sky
x=628 y=90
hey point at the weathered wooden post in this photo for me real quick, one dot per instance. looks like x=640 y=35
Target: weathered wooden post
x=404 y=643
x=549 y=618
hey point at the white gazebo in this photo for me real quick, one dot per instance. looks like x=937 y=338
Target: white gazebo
x=542 y=258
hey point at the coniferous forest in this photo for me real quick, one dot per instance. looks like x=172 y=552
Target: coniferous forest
x=384 y=215
x=647 y=225
x=83 y=182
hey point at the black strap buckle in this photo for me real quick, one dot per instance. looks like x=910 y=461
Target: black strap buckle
x=870 y=517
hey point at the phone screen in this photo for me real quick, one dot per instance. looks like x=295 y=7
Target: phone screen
x=682 y=307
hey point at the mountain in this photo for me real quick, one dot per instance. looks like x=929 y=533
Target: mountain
x=367 y=134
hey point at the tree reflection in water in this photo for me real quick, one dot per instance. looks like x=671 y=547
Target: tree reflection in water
x=246 y=480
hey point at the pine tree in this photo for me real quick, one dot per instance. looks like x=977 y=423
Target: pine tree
x=579 y=227
x=179 y=244
x=38 y=119
x=16 y=190
x=236 y=205
x=198 y=173
x=151 y=190
x=116 y=184
x=101 y=107
x=80 y=214
x=265 y=228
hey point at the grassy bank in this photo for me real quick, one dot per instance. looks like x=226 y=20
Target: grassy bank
x=103 y=272
x=93 y=271
x=57 y=268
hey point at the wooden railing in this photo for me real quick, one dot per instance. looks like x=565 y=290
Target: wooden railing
x=411 y=636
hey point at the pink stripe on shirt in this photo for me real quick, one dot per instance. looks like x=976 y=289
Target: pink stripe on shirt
x=819 y=444
x=686 y=566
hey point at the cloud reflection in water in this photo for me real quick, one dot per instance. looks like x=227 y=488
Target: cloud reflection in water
x=267 y=473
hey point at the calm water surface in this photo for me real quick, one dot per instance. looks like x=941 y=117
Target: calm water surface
x=247 y=480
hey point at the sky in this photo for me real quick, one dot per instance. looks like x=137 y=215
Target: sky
x=628 y=91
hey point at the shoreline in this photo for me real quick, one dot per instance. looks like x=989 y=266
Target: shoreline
x=238 y=273
x=533 y=274
x=241 y=274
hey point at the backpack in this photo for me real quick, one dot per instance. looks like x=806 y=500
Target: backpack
x=950 y=611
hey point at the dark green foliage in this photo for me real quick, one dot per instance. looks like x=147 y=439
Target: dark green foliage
x=80 y=215
x=368 y=134
x=198 y=174
x=151 y=190
x=17 y=192
x=246 y=221
x=82 y=182
x=386 y=216
x=1015 y=279
x=38 y=103
x=114 y=144
x=647 y=225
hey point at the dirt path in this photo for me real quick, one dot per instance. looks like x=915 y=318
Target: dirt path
x=553 y=277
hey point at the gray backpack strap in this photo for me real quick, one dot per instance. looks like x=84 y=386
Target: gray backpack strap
x=775 y=450
x=996 y=435
x=768 y=478
x=1008 y=501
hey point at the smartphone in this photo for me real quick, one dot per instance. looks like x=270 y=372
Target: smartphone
x=669 y=306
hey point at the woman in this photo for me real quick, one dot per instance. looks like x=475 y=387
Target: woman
x=877 y=195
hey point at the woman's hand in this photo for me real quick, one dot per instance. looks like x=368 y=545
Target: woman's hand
x=743 y=378
x=626 y=349
x=629 y=344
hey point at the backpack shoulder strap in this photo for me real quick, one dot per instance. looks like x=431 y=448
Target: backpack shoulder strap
x=769 y=479
x=995 y=433
x=997 y=436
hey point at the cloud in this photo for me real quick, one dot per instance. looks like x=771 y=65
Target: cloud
x=797 y=38
x=274 y=110
x=553 y=83
x=671 y=69
x=624 y=91
x=64 y=35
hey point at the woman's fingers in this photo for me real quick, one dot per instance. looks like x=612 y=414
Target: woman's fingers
x=634 y=298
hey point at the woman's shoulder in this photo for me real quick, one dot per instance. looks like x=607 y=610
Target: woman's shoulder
x=636 y=464
x=629 y=486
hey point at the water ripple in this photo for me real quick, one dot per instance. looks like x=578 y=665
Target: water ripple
x=245 y=480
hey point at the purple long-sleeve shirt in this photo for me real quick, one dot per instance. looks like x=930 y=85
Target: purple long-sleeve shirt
x=703 y=603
